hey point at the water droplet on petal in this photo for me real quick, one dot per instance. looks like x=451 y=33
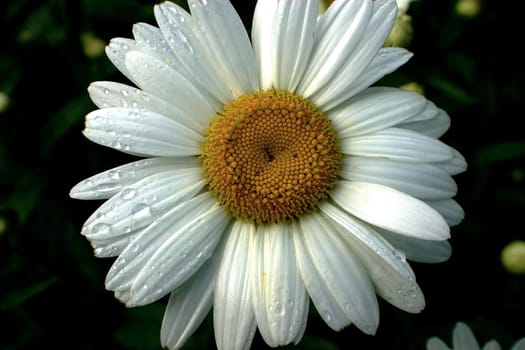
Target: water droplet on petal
x=107 y=92
x=141 y=211
x=183 y=40
x=114 y=175
x=124 y=46
x=128 y=193
x=100 y=228
x=327 y=316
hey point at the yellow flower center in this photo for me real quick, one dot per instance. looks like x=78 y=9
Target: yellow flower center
x=270 y=156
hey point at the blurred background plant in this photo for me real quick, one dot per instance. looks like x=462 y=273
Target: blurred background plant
x=52 y=288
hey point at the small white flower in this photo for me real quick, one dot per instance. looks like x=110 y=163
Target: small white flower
x=273 y=172
x=463 y=339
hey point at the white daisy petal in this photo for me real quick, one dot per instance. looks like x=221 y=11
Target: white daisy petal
x=153 y=195
x=106 y=94
x=457 y=164
x=436 y=344
x=233 y=317
x=434 y=127
x=112 y=227
x=222 y=33
x=390 y=209
x=291 y=24
x=117 y=50
x=141 y=133
x=339 y=32
x=339 y=273
x=110 y=247
x=419 y=250
x=397 y=144
x=326 y=304
x=449 y=209
x=363 y=115
x=178 y=27
x=423 y=181
x=492 y=345
x=189 y=304
x=391 y=275
x=191 y=242
x=279 y=297
x=337 y=89
x=519 y=345
x=149 y=40
x=108 y=183
x=156 y=77
x=463 y=338
x=387 y=60
x=126 y=268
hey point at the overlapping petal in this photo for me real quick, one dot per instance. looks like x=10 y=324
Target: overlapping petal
x=390 y=209
x=283 y=36
x=278 y=294
x=337 y=282
x=233 y=316
x=141 y=133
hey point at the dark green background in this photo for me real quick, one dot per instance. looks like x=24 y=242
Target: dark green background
x=52 y=292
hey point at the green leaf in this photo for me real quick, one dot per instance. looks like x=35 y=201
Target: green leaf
x=499 y=152
x=18 y=296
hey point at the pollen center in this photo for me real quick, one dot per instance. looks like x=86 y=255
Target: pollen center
x=270 y=156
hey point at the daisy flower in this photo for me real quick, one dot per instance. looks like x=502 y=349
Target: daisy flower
x=463 y=339
x=271 y=174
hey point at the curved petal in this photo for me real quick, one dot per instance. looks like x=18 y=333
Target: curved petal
x=378 y=26
x=375 y=109
x=168 y=252
x=107 y=94
x=419 y=250
x=387 y=60
x=397 y=144
x=178 y=28
x=463 y=338
x=519 y=345
x=189 y=304
x=457 y=164
x=154 y=195
x=141 y=133
x=434 y=127
x=339 y=32
x=233 y=318
x=390 y=209
x=282 y=34
x=222 y=33
x=159 y=79
x=279 y=298
x=391 y=275
x=420 y=180
x=117 y=50
x=108 y=183
x=492 y=345
x=449 y=209
x=435 y=343
x=334 y=272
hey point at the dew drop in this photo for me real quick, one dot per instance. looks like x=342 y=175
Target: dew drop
x=327 y=316
x=128 y=193
x=183 y=39
x=124 y=46
x=141 y=211
x=114 y=175
x=107 y=92
x=100 y=228
x=116 y=145
x=203 y=2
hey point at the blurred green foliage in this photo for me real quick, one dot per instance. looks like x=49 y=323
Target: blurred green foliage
x=52 y=288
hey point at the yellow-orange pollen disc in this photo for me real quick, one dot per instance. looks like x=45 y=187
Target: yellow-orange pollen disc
x=270 y=156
